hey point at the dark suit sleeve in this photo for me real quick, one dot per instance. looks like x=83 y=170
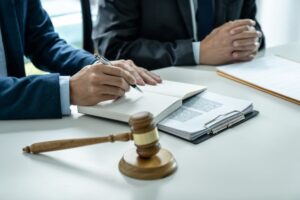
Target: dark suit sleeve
x=249 y=10
x=118 y=37
x=30 y=97
x=35 y=97
x=44 y=47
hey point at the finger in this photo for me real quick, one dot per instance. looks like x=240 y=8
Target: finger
x=241 y=22
x=241 y=29
x=106 y=75
x=116 y=71
x=154 y=76
x=246 y=58
x=244 y=42
x=115 y=81
x=108 y=90
x=132 y=70
x=140 y=80
x=245 y=45
x=148 y=79
x=97 y=77
x=240 y=55
x=106 y=97
x=129 y=77
x=247 y=48
x=114 y=62
x=247 y=35
x=138 y=69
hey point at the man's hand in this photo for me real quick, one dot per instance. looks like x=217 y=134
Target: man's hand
x=245 y=43
x=141 y=75
x=231 y=42
x=96 y=83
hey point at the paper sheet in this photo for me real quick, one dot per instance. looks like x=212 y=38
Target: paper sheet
x=175 y=89
x=272 y=73
x=197 y=111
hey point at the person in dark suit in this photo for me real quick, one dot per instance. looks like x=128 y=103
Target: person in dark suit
x=160 y=33
x=26 y=29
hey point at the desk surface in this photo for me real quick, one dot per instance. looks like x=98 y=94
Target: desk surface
x=256 y=160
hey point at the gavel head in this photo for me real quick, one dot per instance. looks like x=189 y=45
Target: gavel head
x=145 y=134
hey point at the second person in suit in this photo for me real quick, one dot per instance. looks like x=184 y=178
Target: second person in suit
x=159 y=33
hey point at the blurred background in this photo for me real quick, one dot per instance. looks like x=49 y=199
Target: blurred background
x=280 y=20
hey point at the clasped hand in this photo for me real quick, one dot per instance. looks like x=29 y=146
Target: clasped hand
x=234 y=41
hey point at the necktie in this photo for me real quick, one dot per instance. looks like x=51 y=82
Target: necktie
x=205 y=18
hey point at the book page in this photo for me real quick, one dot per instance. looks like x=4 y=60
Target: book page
x=197 y=111
x=133 y=102
x=176 y=89
x=272 y=73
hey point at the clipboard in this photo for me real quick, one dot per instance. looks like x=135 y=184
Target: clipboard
x=202 y=138
x=212 y=133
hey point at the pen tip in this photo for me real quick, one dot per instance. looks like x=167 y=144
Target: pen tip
x=137 y=88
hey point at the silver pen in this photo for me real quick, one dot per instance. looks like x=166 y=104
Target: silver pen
x=104 y=61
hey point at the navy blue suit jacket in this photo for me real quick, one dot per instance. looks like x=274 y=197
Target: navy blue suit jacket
x=27 y=30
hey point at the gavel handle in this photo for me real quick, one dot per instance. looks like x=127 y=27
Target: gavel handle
x=72 y=143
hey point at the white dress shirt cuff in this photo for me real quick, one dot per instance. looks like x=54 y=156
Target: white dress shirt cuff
x=64 y=83
x=196 y=51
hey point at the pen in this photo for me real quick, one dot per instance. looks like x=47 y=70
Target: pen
x=104 y=61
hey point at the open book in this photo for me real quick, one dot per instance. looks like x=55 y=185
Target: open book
x=206 y=114
x=160 y=100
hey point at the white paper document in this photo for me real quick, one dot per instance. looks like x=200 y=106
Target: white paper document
x=171 y=88
x=272 y=73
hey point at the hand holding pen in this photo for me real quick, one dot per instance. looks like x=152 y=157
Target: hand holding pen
x=104 y=61
x=142 y=75
x=96 y=83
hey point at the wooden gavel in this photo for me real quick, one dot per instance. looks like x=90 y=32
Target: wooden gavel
x=143 y=132
x=147 y=161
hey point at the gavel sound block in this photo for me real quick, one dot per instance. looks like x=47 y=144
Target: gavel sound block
x=147 y=161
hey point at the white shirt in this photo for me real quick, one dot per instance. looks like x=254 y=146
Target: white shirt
x=3 y=69
x=196 y=45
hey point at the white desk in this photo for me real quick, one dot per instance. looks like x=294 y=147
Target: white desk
x=259 y=159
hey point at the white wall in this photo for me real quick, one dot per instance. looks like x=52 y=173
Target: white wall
x=280 y=20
